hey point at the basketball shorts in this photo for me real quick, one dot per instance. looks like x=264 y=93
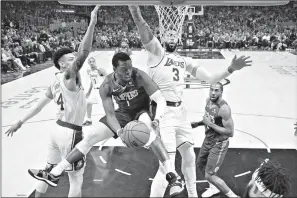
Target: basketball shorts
x=125 y=116
x=94 y=97
x=63 y=139
x=211 y=155
x=175 y=129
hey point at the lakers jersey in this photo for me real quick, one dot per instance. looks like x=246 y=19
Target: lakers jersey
x=169 y=76
x=71 y=105
x=96 y=78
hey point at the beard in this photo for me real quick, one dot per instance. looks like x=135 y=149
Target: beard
x=170 y=47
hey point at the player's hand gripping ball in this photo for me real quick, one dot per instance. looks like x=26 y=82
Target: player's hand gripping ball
x=135 y=134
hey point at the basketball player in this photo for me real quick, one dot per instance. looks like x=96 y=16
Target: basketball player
x=132 y=90
x=69 y=97
x=167 y=69
x=124 y=48
x=218 y=128
x=97 y=76
x=269 y=180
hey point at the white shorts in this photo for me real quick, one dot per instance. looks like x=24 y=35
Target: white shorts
x=175 y=129
x=62 y=140
x=94 y=97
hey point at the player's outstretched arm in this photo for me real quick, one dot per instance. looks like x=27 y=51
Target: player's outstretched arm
x=85 y=45
x=106 y=97
x=153 y=91
x=228 y=124
x=203 y=74
x=33 y=112
x=150 y=42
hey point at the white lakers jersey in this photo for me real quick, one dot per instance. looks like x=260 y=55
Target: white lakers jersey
x=169 y=76
x=71 y=105
x=96 y=78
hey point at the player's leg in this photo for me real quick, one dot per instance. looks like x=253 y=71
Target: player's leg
x=185 y=146
x=158 y=188
x=88 y=120
x=98 y=132
x=166 y=169
x=215 y=160
x=53 y=158
x=92 y=99
x=76 y=181
x=93 y=135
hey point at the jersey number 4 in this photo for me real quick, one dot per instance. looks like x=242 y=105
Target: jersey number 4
x=176 y=74
x=60 y=102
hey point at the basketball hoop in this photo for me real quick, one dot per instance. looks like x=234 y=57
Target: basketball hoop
x=171 y=18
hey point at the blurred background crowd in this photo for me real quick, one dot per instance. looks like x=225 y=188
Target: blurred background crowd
x=32 y=30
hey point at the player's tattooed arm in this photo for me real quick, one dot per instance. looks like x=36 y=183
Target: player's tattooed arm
x=150 y=42
x=228 y=124
x=32 y=112
x=146 y=34
x=85 y=45
x=106 y=97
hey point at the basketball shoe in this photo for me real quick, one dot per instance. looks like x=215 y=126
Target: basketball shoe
x=44 y=176
x=175 y=183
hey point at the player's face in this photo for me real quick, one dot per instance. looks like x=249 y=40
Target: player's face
x=124 y=45
x=67 y=61
x=124 y=70
x=92 y=63
x=252 y=190
x=215 y=92
x=171 y=41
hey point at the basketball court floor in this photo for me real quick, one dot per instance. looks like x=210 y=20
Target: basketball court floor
x=263 y=102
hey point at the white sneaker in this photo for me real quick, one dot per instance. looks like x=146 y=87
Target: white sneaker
x=210 y=192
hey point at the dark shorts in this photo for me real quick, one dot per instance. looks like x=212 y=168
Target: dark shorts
x=211 y=155
x=124 y=116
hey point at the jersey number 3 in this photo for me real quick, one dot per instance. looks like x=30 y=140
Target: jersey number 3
x=60 y=102
x=176 y=74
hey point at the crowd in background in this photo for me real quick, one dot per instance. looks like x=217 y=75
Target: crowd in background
x=32 y=30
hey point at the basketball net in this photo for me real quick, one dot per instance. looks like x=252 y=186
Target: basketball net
x=171 y=19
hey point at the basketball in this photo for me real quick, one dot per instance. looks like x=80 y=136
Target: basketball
x=135 y=134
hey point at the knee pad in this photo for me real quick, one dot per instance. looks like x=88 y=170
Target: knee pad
x=83 y=146
x=145 y=118
x=152 y=138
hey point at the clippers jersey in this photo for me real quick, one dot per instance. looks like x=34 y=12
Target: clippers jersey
x=212 y=111
x=71 y=105
x=131 y=97
x=169 y=76
x=95 y=77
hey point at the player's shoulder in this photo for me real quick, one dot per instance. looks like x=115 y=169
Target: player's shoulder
x=225 y=109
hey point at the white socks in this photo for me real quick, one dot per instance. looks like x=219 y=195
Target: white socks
x=58 y=170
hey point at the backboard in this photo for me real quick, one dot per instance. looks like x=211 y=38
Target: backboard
x=174 y=2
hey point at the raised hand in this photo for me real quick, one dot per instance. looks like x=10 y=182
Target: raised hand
x=239 y=63
x=13 y=129
x=94 y=14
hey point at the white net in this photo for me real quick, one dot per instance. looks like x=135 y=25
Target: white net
x=171 y=20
